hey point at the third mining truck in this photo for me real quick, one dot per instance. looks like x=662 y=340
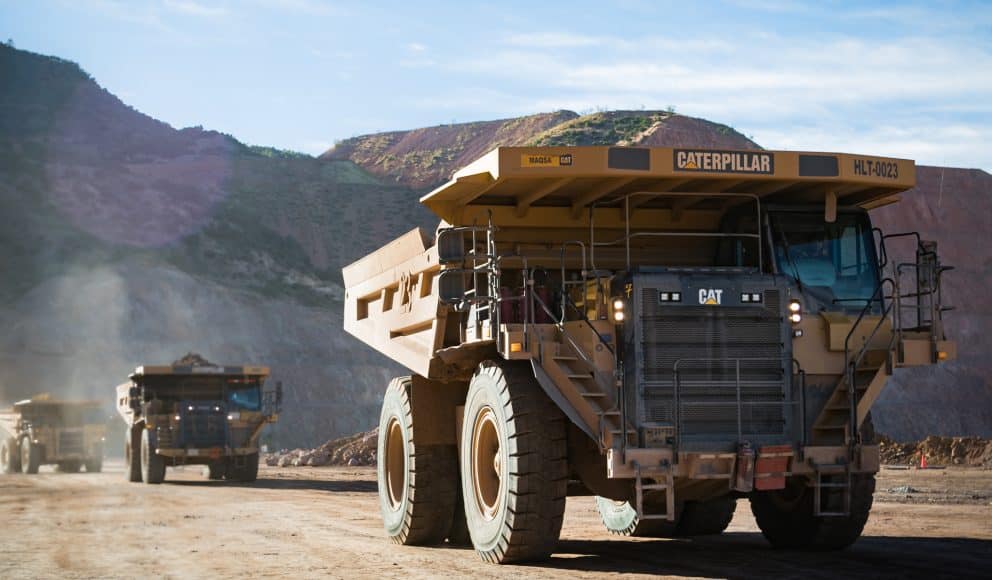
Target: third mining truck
x=668 y=330
x=199 y=414
x=44 y=430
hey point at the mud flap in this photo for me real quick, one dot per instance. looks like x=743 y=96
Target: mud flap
x=771 y=467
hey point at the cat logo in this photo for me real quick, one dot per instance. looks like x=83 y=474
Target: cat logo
x=690 y=165
x=710 y=296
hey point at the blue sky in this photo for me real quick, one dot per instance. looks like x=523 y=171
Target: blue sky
x=903 y=79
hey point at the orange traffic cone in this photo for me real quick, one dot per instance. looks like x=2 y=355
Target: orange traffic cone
x=923 y=460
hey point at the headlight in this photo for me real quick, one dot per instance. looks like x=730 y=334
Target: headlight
x=795 y=317
x=618 y=304
x=618 y=315
x=794 y=306
x=230 y=417
x=177 y=418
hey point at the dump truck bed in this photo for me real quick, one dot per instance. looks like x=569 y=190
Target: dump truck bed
x=538 y=183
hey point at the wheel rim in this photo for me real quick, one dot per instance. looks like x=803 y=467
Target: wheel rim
x=487 y=460
x=395 y=461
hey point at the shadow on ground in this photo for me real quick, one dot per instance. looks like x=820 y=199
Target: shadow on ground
x=295 y=484
x=748 y=555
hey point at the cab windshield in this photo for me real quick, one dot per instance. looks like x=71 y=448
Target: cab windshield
x=834 y=262
x=244 y=394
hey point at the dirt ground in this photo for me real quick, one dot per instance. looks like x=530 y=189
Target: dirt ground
x=324 y=522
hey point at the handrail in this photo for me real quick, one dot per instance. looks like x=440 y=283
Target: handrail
x=850 y=367
x=626 y=217
x=583 y=318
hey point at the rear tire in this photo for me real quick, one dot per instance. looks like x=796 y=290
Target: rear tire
x=620 y=518
x=417 y=481
x=706 y=518
x=132 y=455
x=10 y=456
x=692 y=518
x=70 y=466
x=152 y=464
x=94 y=464
x=30 y=456
x=514 y=465
x=459 y=536
x=786 y=517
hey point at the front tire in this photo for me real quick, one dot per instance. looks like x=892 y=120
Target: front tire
x=417 y=481
x=152 y=464
x=786 y=516
x=513 y=463
x=10 y=456
x=30 y=456
x=132 y=455
x=246 y=473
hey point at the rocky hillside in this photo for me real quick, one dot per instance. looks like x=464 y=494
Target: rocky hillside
x=425 y=158
x=124 y=241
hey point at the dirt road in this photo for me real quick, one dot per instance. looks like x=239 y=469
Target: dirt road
x=324 y=522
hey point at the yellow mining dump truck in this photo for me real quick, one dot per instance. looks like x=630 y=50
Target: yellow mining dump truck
x=43 y=430
x=195 y=415
x=666 y=329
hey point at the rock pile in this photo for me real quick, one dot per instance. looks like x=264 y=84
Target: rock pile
x=192 y=359
x=964 y=451
x=353 y=450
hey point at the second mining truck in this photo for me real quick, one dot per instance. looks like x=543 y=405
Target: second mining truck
x=669 y=330
x=195 y=415
x=44 y=430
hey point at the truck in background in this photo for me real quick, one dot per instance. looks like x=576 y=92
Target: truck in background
x=44 y=430
x=200 y=414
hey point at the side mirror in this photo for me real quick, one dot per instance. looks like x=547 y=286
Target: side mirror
x=451 y=287
x=450 y=246
x=134 y=398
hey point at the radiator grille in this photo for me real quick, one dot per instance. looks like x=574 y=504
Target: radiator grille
x=70 y=442
x=711 y=347
x=203 y=428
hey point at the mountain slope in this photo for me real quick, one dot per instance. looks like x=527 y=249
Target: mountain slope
x=126 y=242
x=425 y=158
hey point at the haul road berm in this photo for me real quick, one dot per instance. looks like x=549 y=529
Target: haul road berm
x=668 y=330
x=195 y=414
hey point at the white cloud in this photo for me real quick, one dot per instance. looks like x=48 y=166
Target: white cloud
x=309 y=7
x=844 y=92
x=553 y=40
x=193 y=8
x=416 y=47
